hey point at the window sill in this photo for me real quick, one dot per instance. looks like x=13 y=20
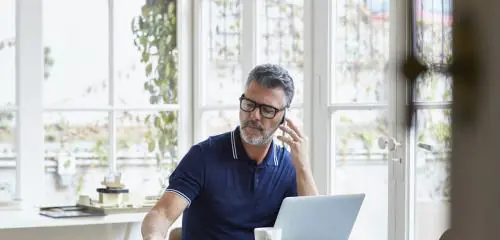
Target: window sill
x=29 y=218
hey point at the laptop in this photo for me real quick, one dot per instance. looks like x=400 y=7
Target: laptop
x=319 y=217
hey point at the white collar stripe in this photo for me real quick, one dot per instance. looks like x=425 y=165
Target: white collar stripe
x=275 y=158
x=233 y=146
x=235 y=152
x=180 y=194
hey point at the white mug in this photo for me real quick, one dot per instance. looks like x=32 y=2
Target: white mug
x=267 y=233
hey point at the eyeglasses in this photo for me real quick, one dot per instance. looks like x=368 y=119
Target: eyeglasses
x=266 y=111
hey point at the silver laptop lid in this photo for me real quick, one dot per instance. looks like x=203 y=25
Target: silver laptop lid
x=319 y=217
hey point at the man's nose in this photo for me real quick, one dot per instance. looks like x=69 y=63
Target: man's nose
x=255 y=114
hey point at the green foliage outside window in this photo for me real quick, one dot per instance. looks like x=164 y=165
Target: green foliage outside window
x=155 y=36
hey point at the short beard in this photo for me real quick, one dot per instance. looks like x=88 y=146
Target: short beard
x=267 y=136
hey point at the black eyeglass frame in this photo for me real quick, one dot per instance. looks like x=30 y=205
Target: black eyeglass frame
x=260 y=106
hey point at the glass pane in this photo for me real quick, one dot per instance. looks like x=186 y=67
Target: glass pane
x=77 y=47
x=432 y=143
x=7 y=156
x=432 y=173
x=433 y=46
x=433 y=30
x=138 y=76
x=146 y=149
x=222 y=79
x=281 y=27
x=215 y=122
x=434 y=87
x=362 y=167
x=360 y=51
x=7 y=52
x=76 y=148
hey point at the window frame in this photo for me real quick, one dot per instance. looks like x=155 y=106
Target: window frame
x=249 y=58
x=29 y=122
x=199 y=66
x=29 y=98
x=316 y=107
x=408 y=204
x=190 y=108
x=324 y=107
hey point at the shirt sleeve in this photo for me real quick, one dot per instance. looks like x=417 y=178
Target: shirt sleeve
x=188 y=177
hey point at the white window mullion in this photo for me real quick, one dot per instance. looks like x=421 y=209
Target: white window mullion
x=199 y=17
x=218 y=108
x=393 y=170
x=401 y=194
x=351 y=106
x=237 y=106
x=321 y=159
x=249 y=36
x=8 y=108
x=307 y=106
x=186 y=91
x=159 y=107
x=428 y=105
x=111 y=81
x=29 y=78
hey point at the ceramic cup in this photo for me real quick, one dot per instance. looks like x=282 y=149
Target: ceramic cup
x=267 y=233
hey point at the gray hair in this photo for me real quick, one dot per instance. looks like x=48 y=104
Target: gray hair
x=273 y=76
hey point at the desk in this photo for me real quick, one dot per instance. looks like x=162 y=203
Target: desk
x=12 y=219
x=28 y=224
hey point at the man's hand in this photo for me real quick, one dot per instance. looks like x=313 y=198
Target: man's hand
x=298 y=145
x=299 y=149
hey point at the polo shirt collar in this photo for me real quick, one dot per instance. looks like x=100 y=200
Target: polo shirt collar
x=238 y=151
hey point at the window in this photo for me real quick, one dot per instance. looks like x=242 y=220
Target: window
x=279 y=30
x=8 y=110
x=358 y=110
x=281 y=40
x=220 y=79
x=110 y=98
x=369 y=150
x=113 y=100
x=432 y=137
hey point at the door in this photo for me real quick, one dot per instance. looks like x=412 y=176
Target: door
x=362 y=100
x=429 y=141
x=358 y=95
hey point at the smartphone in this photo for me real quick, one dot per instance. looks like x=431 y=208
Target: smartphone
x=283 y=123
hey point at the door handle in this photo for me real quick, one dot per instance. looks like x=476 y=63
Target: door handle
x=390 y=143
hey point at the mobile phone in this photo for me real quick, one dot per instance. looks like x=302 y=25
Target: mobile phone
x=283 y=123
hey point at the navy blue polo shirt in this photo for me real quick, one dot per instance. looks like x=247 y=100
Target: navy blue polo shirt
x=229 y=194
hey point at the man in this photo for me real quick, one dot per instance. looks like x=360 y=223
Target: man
x=232 y=183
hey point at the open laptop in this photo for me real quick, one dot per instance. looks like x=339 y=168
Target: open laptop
x=319 y=217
